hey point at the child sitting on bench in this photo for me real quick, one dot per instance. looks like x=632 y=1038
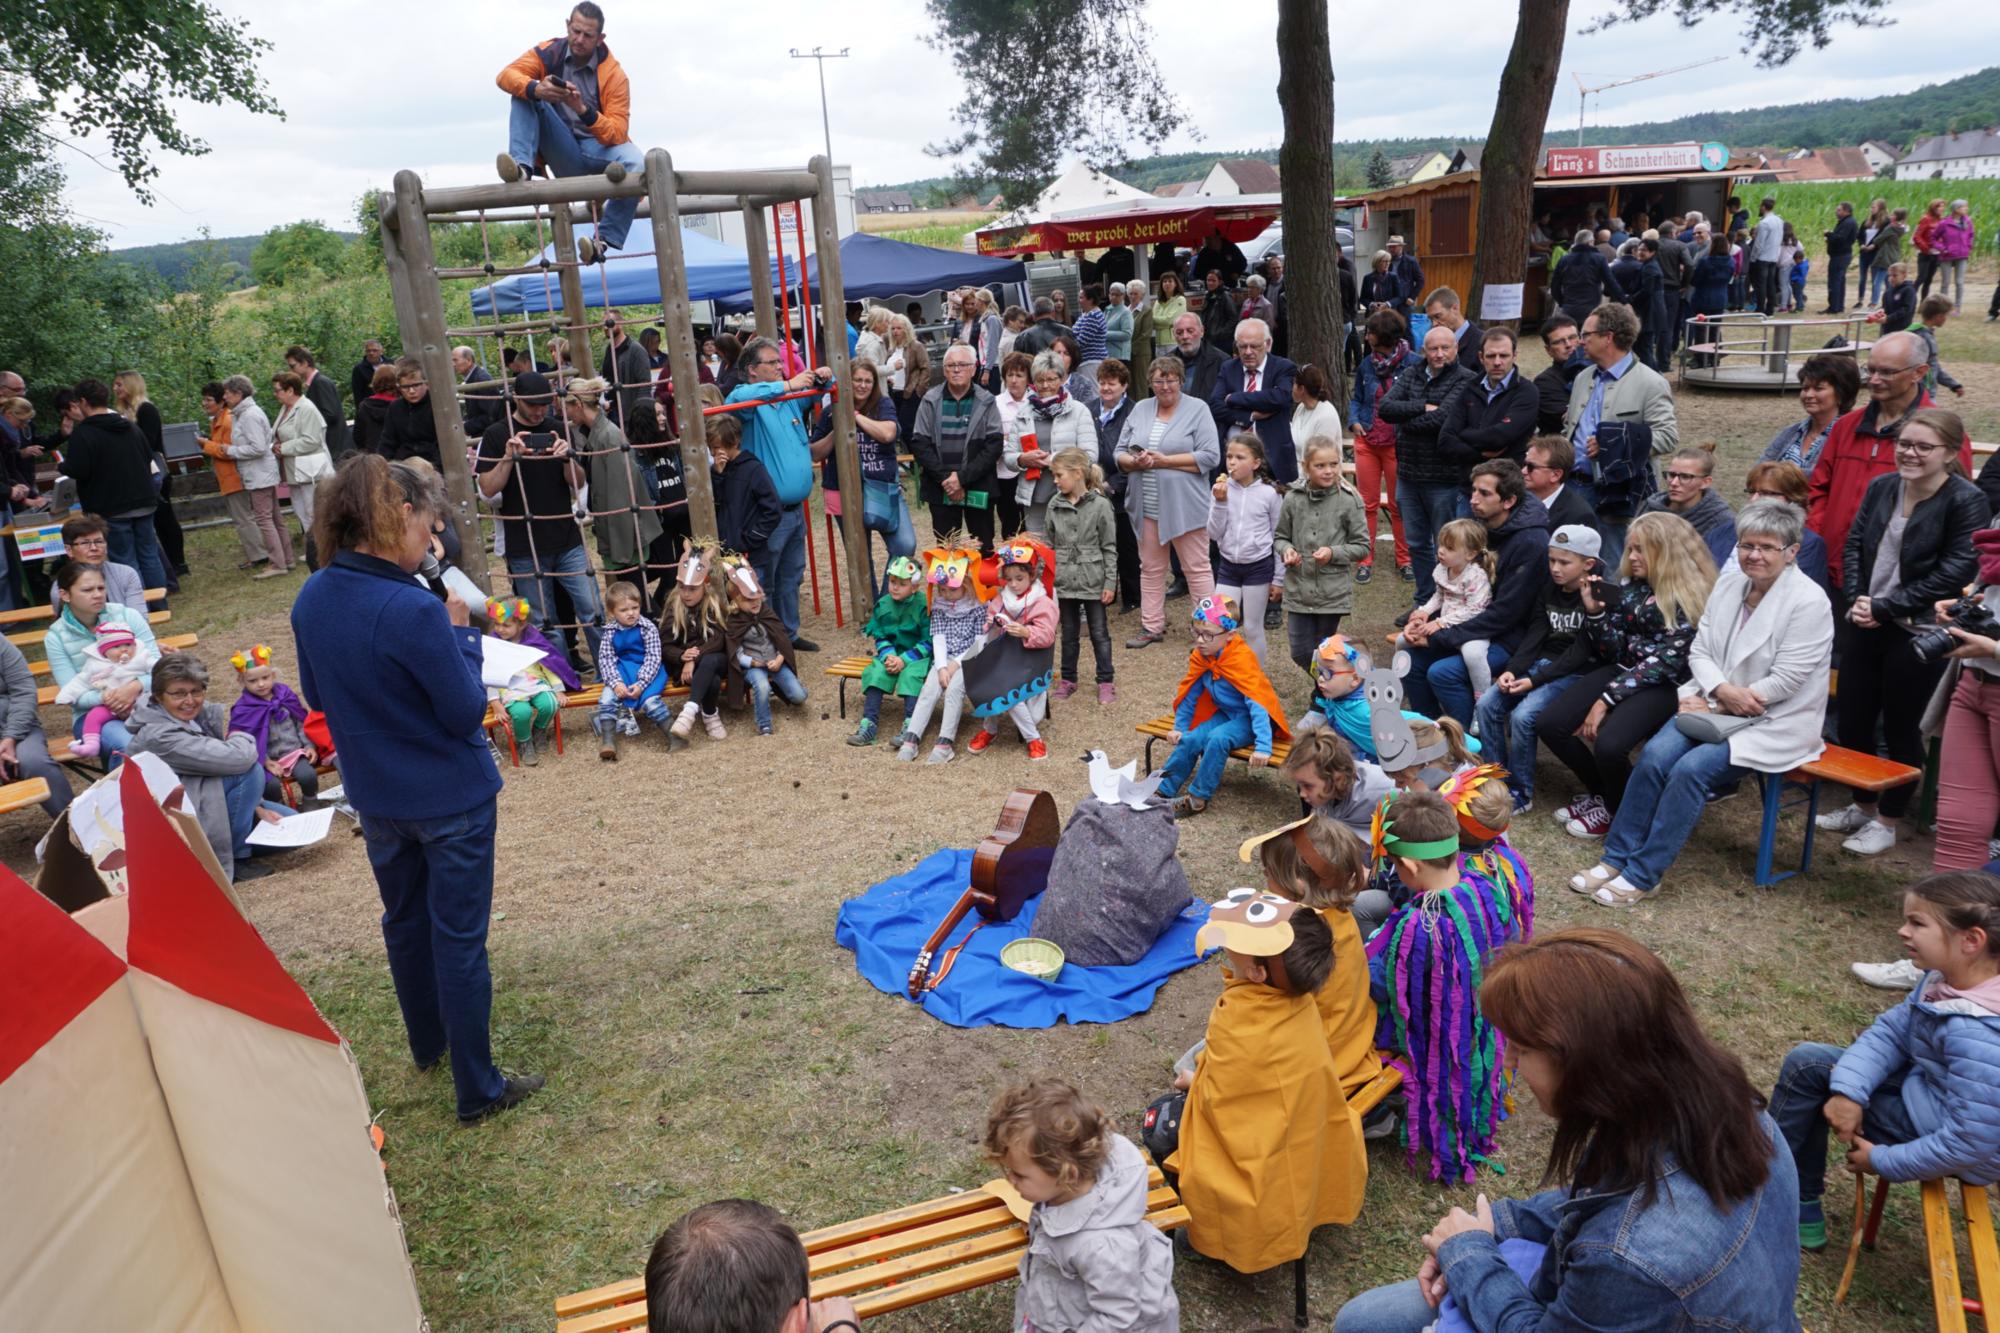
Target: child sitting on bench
x=270 y=713
x=1914 y=1097
x=628 y=662
x=529 y=697
x=1022 y=609
x=901 y=628
x=760 y=653
x=691 y=639
x=1430 y=953
x=1268 y=1146
x=958 y=624
x=1093 y=1259
x=1225 y=702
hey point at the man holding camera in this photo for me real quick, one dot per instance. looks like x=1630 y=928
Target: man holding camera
x=570 y=112
x=775 y=434
x=526 y=470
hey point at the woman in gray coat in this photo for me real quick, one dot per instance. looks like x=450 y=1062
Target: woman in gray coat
x=253 y=448
x=1170 y=449
x=625 y=527
x=24 y=750
x=218 y=769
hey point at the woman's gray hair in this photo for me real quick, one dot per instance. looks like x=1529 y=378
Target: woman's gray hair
x=1047 y=363
x=240 y=385
x=1584 y=236
x=172 y=668
x=422 y=487
x=1780 y=520
x=1170 y=365
x=1381 y=257
x=1254 y=283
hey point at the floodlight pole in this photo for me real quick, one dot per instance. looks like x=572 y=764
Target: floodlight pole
x=822 y=55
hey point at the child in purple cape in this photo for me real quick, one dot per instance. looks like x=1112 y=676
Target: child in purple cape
x=269 y=712
x=529 y=699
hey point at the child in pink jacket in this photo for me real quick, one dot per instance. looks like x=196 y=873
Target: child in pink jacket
x=1024 y=609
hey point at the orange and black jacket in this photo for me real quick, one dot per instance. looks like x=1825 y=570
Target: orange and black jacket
x=611 y=123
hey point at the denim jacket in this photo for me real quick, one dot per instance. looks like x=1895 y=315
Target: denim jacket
x=1677 y=1263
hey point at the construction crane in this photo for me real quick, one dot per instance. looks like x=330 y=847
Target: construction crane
x=1585 y=90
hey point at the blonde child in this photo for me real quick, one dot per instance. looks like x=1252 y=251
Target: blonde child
x=1323 y=865
x=958 y=624
x=1443 y=749
x=530 y=698
x=1333 y=781
x=900 y=625
x=270 y=713
x=1083 y=532
x=1320 y=536
x=1241 y=523
x=1022 y=609
x=628 y=662
x=1093 y=1261
x=1913 y=1097
x=760 y=653
x=1464 y=578
x=1932 y=312
x=691 y=644
x=114 y=657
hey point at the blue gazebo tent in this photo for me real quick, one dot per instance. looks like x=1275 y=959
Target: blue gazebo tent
x=713 y=270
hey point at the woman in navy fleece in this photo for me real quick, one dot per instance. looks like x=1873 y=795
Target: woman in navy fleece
x=397 y=675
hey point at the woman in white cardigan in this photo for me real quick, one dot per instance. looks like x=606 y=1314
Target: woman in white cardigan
x=1756 y=703
x=299 y=436
x=1055 y=421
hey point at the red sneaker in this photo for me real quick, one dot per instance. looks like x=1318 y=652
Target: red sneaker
x=980 y=740
x=1037 y=749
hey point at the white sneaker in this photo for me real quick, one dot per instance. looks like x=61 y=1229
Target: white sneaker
x=628 y=723
x=1899 y=975
x=1874 y=838
x=1848 y=820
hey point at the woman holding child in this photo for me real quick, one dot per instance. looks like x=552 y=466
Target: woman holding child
x=1676 y=1199
x=85 y=612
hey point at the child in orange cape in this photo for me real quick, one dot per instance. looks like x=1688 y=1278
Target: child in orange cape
x=1225 y=702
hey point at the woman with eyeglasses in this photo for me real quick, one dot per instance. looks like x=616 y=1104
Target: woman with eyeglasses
x=1755 y=701
x=217 y=767
x=1785 y=482
x=1909 y=548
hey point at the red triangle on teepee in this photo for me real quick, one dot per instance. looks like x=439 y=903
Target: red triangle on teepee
x=184 y=931
x=51 y=969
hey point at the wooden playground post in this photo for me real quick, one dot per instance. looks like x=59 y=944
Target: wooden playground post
x=683 y=357
x=833 y=318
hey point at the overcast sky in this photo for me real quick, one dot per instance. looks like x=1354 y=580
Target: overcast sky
x=366 y=97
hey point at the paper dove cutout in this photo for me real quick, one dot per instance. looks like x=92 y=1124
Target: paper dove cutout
x=1120 y=786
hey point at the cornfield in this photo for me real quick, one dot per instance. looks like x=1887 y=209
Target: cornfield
x=948 y=236
x=1809 y=207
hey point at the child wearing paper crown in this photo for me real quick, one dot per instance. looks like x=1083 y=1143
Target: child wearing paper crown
x=691 y=646
x=901 y=628
x=1269 y=1148
x=958 y=623
x=1430 y=955
x=1225 y=701
x=272 y=715
x=760 y=653
x=115 y=657
x=1023 y=609
x=529 y=697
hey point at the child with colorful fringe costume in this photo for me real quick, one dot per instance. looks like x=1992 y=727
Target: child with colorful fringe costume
x=901 y=628
x=1431 y=954
x=274 y=716
x=529 y=698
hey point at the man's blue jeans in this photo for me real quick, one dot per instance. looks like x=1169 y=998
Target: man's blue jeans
x=1514 y=736
x=1205 y=751
x=535 y=130
x=1799 y=1101
x=762 y=682
x=572 y=570
x=436 y=881
x=133 y=542
x=1438 y=685
x=1612 y=549
x=783 y=565
x=1426 y=509
x=1664 y=799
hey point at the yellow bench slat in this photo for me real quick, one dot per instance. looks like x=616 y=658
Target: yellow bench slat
x=26 y=614
x=28 y=638
x=850 y=667
x=1942 y=1251
x=1371 y=1094
x=850 y=1282
x=1985 y=1252
x=1160 y=728
x=17 y=795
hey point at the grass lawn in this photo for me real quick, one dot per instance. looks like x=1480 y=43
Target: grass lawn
x=663 y=950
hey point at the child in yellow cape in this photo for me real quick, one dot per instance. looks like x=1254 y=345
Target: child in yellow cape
x=1268 y=1147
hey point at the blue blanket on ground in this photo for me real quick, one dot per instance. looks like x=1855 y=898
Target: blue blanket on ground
x=886 y=928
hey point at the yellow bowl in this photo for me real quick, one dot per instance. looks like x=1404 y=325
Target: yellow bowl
x=1032 y=957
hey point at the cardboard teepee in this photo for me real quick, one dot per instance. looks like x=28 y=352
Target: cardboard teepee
x=184 y=1140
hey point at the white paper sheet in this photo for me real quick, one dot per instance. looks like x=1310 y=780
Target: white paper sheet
x=503 y=660
x=1500 y=300
x=293 y=830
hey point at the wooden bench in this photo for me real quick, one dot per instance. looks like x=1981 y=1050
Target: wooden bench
x=1948 y=1301
x=846 y=669
x=1850 y=768
x=890 y=1261
x=19 y=795
x=29 y=615
x=29 y=638
x=496 y=716
x=1162 y=728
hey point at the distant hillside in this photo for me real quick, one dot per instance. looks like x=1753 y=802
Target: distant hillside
x=172 y=262
x=1899 y=119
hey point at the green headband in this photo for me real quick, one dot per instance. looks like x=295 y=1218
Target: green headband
x=1421 y=851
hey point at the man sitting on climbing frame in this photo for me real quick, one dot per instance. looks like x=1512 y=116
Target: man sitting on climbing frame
x=570 y=115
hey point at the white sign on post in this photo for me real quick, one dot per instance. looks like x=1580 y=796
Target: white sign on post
x=1500 y=300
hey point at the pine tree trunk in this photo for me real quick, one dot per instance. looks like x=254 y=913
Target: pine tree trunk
x=1312 y=254
x=1513 y=146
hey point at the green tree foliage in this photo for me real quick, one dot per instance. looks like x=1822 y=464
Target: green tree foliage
x=1042 y=80
x=115 y=68
x=1379 y=175
x=1775 y=30
x=301 y=252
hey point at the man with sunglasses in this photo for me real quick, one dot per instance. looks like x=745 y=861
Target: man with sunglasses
x=1862 y=444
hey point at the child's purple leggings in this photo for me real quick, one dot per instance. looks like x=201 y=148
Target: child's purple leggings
x=94 y=720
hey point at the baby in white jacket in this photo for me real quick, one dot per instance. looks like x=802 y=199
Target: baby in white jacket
x=115 y=658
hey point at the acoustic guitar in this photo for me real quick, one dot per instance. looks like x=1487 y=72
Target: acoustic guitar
x=1009 y=867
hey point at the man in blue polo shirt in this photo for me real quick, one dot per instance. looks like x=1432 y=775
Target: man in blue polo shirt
x=775 y=434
